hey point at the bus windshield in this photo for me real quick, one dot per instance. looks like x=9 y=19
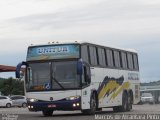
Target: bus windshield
x=52 y=76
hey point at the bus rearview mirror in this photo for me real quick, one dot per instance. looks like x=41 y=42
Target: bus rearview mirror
x=19 y=73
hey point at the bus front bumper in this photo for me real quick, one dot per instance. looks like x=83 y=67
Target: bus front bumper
x=55 y=105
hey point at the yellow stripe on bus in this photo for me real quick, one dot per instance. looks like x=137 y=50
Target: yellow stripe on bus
x=112 y=85
x=125 y=85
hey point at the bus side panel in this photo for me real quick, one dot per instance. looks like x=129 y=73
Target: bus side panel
x=110 y=84
x=136 y=93
x=107 y=90
x=85 y=98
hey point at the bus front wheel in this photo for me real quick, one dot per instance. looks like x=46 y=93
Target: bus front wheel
x=125 y=104
x=47 y=112
x=93 y=106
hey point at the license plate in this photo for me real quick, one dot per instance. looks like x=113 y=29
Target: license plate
x=51 y=106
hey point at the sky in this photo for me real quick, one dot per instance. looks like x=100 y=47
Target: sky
x=131 y=24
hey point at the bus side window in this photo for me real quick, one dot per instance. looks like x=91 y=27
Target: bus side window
x=87 y=78
x=29 y=74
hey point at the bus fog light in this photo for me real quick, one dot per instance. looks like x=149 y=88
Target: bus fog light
x=29 y=106
x=77 y=104
x=74 y=105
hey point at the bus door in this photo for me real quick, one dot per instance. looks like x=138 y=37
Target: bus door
x=86 y=92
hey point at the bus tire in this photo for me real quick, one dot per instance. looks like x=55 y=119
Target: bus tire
x=130 y=102
x=99 y=109
x=47 y=112
x=93 y=106
x=124 y=106
x=116 y=108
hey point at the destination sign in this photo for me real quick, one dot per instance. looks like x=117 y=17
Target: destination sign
x=52 y=52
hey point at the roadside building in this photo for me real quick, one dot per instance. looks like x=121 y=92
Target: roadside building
x=4 y=68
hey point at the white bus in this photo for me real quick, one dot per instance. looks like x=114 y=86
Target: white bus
x=80 y=76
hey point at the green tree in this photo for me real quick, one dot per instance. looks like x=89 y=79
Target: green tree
x=12 y=86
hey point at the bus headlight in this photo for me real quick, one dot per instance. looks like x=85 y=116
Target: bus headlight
x=73 y=98
x=32 y=100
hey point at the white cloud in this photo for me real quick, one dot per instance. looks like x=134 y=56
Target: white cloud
x=17 y=8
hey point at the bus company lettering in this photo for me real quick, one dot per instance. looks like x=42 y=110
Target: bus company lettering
x=48 y=50
x=133 y=76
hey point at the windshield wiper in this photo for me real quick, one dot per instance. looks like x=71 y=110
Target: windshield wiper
x=57 y=82
x=53 y=78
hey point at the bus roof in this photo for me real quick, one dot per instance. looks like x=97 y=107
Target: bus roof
x=84 y=42
x=113 y=47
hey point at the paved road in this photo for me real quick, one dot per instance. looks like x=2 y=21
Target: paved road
x=24 y=114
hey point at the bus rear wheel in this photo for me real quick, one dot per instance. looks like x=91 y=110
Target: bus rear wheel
x=47 y=112
x=130 y=102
